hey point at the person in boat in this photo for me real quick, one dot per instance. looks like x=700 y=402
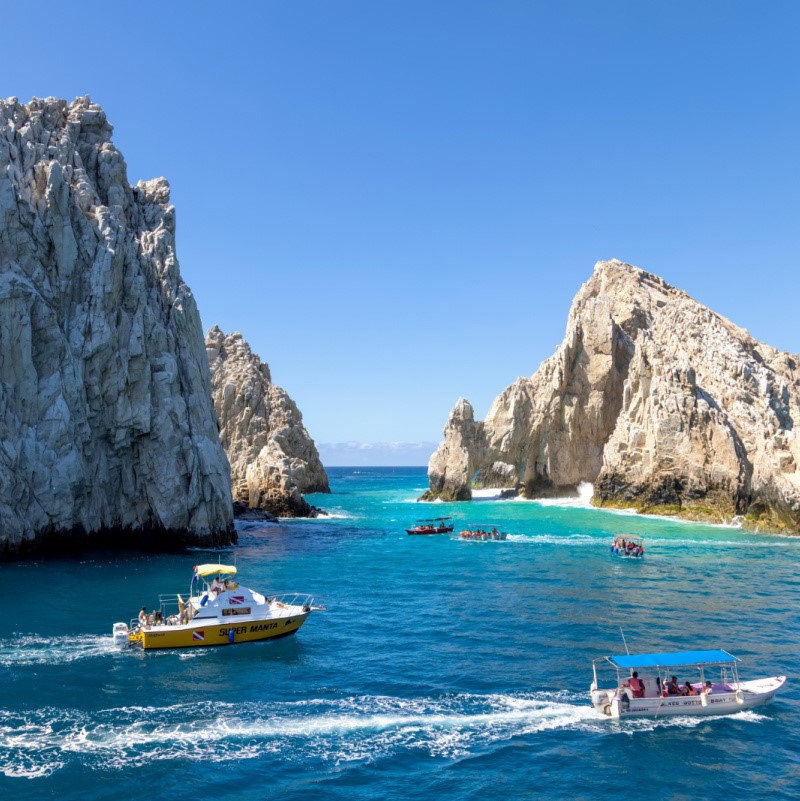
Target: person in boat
x=158 y=617
x=688 y=689
x=636 y=685
x=673 y=687
x=143 y=617
x=708 y=688
x=216 y=586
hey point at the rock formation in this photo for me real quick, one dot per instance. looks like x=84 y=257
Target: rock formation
x=273 y=459
x=107 y=430
x=659 y=402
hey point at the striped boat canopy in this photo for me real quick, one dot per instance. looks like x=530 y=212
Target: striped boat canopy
x=676 y=659
x=215 y=570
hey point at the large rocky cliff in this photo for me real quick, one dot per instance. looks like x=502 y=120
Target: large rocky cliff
x=273 y=459
x=107 y=430
x=659 y=402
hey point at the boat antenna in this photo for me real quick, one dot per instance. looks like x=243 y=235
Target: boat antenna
x=623 y=641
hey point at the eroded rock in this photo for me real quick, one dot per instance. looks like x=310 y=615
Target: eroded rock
x=107 y=430
x=273 y=459
x=659 y=402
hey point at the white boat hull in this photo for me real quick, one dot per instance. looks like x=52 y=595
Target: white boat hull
x=619 y=703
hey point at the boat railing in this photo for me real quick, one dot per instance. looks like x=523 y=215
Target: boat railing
x=293 y=599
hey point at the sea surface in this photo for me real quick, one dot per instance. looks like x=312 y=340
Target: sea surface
x=442 y=669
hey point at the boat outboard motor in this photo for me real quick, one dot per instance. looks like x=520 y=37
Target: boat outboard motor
x=119 y=633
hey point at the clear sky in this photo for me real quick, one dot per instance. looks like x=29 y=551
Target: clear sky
x=395 y=202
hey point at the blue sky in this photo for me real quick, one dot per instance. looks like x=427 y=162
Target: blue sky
x=395 y=202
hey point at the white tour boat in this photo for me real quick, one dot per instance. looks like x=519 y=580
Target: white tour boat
x=217 y=611
x=682 y=683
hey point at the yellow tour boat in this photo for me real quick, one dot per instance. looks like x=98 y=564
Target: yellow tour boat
x=217 y=611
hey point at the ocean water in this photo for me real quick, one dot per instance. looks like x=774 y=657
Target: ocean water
x=441 y=669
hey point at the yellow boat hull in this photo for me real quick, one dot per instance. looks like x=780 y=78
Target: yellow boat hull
x=203 y=636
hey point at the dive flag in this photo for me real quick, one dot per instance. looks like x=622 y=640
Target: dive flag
x=235 y=600
x=199 y=635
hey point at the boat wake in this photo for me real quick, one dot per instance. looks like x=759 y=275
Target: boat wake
x=33 y=649
x=571 y=540
x=41 y=742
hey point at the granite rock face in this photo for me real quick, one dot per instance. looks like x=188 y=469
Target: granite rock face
x=273 y=459
x=107 y=430
x=660 y=403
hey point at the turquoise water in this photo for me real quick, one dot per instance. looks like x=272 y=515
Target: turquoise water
x=441 y=670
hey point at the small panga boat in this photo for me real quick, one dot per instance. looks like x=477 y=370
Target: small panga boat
x=438 y=525
x=482 y=533
x=628 y=546
x=713 y=686
x=217 y=611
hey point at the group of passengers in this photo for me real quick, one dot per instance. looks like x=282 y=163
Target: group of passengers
x=664 y=689
x=218 y=586
x=156 y=618
x=621 y=545
x=672 y=687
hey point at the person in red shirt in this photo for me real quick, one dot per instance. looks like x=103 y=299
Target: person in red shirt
x=636 y=685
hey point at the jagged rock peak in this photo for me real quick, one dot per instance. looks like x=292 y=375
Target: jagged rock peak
x=107 y=430
x=661 y=403
x=273 y=459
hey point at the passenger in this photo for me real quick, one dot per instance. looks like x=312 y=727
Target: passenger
x=636 y=685
x=158 y=617
x=707 y=689
x=688 y=689
x=143 y=616
x=674 y=687
x=216 y=586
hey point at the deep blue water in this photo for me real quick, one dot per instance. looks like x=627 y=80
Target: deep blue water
x=441 y=670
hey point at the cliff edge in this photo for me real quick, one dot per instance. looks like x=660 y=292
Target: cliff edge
x=107 y=430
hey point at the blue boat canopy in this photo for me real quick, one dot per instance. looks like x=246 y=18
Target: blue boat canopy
x=676 y=659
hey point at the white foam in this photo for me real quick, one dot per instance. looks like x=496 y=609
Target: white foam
x=33 y=649
x=359 y=728
x=490 y=493
x=570 y=540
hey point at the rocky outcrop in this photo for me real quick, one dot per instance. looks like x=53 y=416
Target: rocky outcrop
x=273 y=459
x=107 y=431
x=659 y=402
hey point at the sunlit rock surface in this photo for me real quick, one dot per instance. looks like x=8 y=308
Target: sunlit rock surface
x=273 y=459
x=659 y=402
x=107 y=430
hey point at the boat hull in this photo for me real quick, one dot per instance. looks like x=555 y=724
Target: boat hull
x=746 y=695
x=205 y=634
x=427 y=532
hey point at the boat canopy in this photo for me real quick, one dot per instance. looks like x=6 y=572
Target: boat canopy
x=676 y=659
x=215 y=570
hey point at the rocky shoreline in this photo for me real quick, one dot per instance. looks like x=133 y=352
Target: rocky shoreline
x=662 y=405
